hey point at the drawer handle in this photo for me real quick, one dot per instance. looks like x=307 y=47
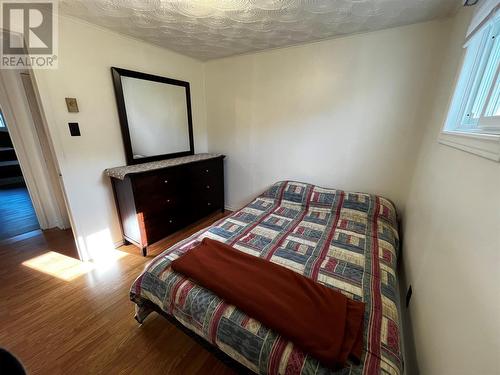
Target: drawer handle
x=208 y=186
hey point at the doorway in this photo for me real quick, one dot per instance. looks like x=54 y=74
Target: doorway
x=31 y=174
x=17 y=215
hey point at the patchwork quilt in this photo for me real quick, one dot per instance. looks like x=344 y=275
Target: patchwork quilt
x=344 y=240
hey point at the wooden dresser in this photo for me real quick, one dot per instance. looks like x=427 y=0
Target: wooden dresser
x=158 y=198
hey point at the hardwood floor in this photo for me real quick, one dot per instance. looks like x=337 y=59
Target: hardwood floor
x=62 y=316
x=17 y=215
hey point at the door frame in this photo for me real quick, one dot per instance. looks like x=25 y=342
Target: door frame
x=29 y=153
x=53 y=173
x=33 y=147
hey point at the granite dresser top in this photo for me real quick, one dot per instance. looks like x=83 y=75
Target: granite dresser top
x=121 y=172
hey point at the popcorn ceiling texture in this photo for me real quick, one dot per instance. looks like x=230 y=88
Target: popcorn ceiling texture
x=210 y=29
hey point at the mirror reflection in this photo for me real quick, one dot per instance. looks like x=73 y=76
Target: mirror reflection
x=157 y=117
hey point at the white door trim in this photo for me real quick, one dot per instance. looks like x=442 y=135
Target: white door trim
x=33 y=149
x=53 y=173
x=22 y=154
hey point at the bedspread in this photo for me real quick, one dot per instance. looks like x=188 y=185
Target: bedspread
x=347 y=241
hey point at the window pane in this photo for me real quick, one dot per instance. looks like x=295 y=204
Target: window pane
x=493 y=108
x=2 y=121
x=489 y=74
x=472 y=72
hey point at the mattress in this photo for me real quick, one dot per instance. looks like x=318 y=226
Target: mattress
x=345 y=240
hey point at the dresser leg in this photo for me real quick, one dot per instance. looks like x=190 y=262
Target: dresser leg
x=144 y=251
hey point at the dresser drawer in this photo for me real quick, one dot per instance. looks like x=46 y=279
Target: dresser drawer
x=201 y=188
x=159 y=201
x=206 y=172
x=206 y=167
x=169 y=181
x=162 y=223
x=203 y=204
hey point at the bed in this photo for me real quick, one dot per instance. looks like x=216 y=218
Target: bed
x=347 y=241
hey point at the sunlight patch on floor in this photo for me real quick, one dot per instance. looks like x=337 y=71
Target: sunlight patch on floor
x=58 y=265
x=67 y=268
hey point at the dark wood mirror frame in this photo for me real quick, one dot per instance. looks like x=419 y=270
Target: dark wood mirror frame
x=117 y=73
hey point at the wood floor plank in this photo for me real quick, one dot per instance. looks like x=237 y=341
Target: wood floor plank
x=85 y=325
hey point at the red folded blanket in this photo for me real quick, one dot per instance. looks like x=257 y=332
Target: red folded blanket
x=319 y=320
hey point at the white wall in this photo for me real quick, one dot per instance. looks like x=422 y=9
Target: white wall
x=451 y=243
x=86 y=54
x=340 y=113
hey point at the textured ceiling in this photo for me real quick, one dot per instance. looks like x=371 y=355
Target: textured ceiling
x=208 y=29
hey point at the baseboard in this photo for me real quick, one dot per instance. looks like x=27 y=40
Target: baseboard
x=117 y=244
x=230 y=208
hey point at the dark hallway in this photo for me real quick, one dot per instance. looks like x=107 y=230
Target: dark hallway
x=16 y=212
x=17 y=215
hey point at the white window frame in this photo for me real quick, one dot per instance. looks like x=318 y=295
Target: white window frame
x=481 y=136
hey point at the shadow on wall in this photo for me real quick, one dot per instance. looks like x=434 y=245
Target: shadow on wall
x=410 y=353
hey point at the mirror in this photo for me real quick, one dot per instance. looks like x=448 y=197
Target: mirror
x=155 y=116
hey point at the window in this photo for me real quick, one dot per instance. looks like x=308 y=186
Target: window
x=2 y=121
x=473 y=122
